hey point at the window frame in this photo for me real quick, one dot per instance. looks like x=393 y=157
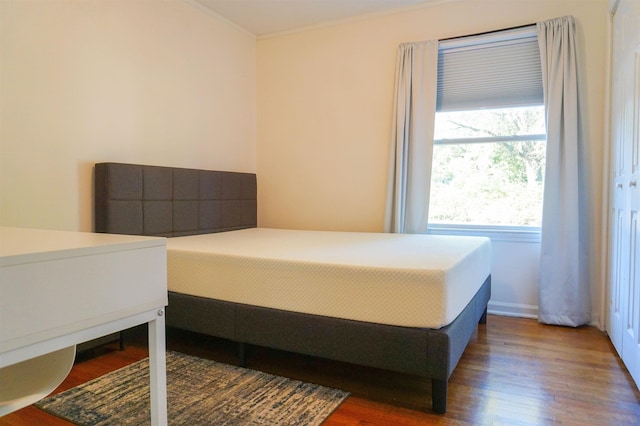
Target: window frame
x=516 y=233
x=523 y=234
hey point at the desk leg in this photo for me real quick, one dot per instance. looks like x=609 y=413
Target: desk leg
x=158 y=370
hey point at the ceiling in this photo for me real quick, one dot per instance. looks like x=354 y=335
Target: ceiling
x=265 y=17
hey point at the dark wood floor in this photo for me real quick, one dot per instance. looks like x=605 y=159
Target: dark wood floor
x=514 y=372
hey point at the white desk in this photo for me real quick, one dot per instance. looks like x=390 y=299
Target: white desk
x=58 y=289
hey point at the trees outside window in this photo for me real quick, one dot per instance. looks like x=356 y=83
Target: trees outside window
x=488 y=167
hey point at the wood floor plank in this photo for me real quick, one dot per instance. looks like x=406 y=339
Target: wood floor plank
x=514 y=372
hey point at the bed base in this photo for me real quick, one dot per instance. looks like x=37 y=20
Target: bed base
x=428 y=353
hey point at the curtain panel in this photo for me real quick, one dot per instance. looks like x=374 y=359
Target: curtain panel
x=407 y=209
x=564 y=283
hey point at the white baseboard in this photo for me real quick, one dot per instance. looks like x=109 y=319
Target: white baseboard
x=512 y=310
x=530 y=311
x=597 y=322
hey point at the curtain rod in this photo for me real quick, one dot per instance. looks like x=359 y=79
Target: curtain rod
x=517 y=27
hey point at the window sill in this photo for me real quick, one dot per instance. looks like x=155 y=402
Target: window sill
x=521 y=234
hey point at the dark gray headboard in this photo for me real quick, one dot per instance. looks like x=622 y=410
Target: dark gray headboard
x=168 y=201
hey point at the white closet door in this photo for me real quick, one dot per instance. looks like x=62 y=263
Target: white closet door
x=624 y=277
x=631 y=336
x=618 y=258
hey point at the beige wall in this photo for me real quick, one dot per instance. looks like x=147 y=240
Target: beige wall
x=325 y=105
x=84 y=81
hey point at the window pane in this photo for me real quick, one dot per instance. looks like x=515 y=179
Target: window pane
x=488 y=183
x=490 y=122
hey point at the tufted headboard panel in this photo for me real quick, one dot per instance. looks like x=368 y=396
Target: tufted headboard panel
x=168 y=201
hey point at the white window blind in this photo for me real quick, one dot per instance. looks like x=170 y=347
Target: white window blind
x=499 y=69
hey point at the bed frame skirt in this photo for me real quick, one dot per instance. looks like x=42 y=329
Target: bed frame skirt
x=429 y=353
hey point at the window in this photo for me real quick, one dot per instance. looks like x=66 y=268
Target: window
x=489 y=138
x=488 y=167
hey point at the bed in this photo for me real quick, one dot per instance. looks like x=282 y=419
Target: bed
x=412 y=312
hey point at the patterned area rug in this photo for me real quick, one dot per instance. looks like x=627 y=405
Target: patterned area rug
x=199 y=392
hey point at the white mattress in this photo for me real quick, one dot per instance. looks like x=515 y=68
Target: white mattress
x=396 y=279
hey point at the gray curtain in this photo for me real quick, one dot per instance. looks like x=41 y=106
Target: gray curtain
x=407 y=209
x=564 y=287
